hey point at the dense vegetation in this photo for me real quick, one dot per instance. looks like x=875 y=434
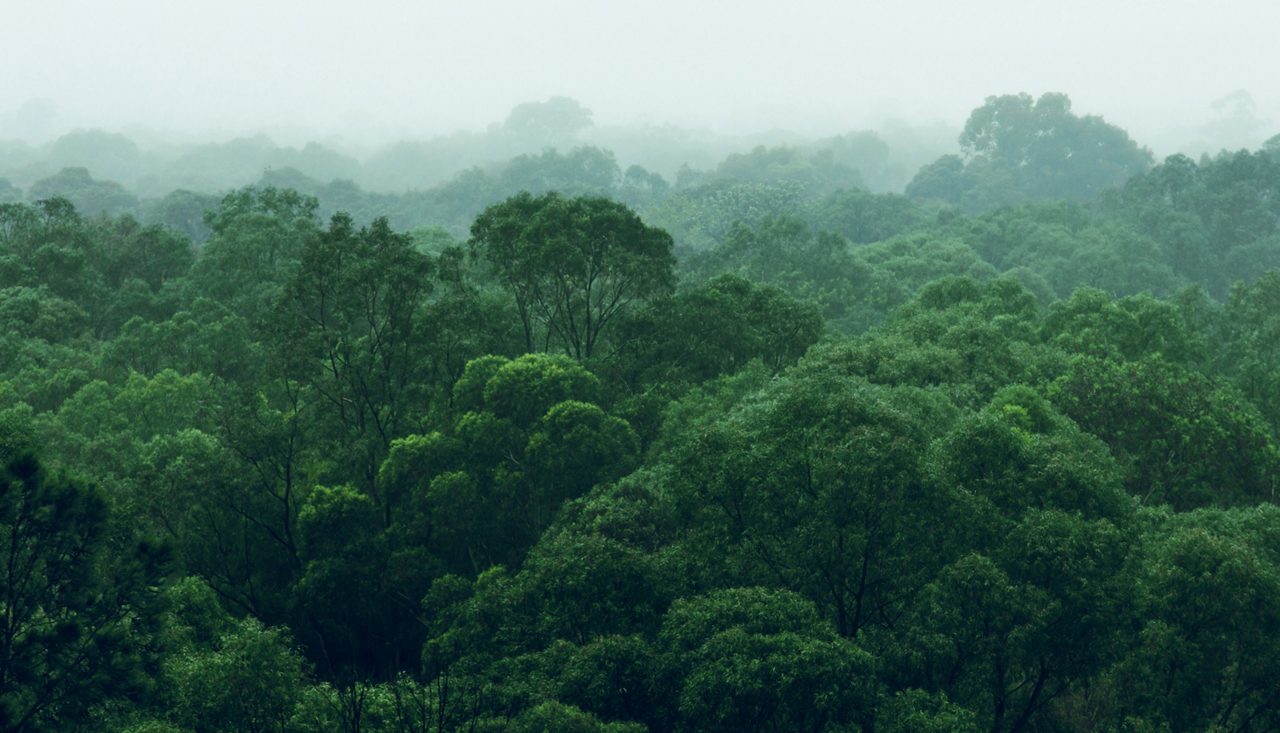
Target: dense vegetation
x=551 y=446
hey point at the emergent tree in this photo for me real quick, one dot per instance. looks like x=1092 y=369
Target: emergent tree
x=572 y=264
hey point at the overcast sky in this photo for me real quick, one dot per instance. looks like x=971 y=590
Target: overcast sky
x=382 y=68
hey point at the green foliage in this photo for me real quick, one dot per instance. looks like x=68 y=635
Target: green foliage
x=534 y=483
x=1016 y=149
x=1251 y=319
x=90 y=196
x=532 y=437
x=205 y=337
x=1216 y=220
x=812 y=485
x=257 y=239
x=750 y=659
x=717 y=328
x=572 y=265
x=181 y=211
x=250 y=680
x=583 y=171
x=354 y=586
x=1127 y=329
x=38 y=314
x=1070 y=248
x=1207 y=588
x=350 y=321
x=700 y=217
x=814 y=174
x=152 y=254
x=1018 y=454
x=557 y=117
x=108 y=154
x=916 y=711
x=522 y=390
x=963 y=336
x=784 y=252
x=1181 y=438
x=78 y=606
x=587 y=586
x=572 y=443
x=904 y=264
x=863 y=217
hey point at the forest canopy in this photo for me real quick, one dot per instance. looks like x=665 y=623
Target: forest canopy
x=787 y=438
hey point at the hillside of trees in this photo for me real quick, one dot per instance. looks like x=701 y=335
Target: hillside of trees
x=823 y=436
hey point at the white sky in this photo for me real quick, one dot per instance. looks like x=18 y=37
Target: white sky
x=404 y=68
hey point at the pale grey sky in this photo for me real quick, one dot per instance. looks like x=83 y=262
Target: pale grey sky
x=399 y=68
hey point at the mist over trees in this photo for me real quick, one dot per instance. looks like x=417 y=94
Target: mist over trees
x=564 y=427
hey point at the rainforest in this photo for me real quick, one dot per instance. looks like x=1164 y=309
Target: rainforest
x=493 y=432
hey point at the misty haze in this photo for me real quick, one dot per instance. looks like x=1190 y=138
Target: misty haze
x=495 y=367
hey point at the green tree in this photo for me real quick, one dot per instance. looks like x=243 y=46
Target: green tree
x=1216 y=220
x=700 y=215
x=249 y=681
x=1208 y=604
x=1181 y=437
x=91 y=196
x=716 y=328
x=557 y=118
x=750 y=659
x=582 y=171
x=49 y=246
x=786 y=253
x=358 y=596
x=554 y=717
x=182 y=211
x=107 y=154
x=863 y=217
x=1016 y=147
x=943 y=180
x=813 y=485
x=351 y=328
x=9 y=193
x=529 y=437
x=573 y=265
x=76 y=607
x=258 y=236
x=814 y=173
x=1252 y=353
x=1061 y=154
x=1090 y=322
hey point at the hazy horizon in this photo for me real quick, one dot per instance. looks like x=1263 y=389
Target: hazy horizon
x=1175 y=74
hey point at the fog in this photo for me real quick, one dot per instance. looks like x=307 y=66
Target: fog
x=1176 y=74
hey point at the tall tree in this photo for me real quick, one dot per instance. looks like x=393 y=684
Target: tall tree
x=74 y=612
x=573 y=265
x=352 y=331
x=1018 y=148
